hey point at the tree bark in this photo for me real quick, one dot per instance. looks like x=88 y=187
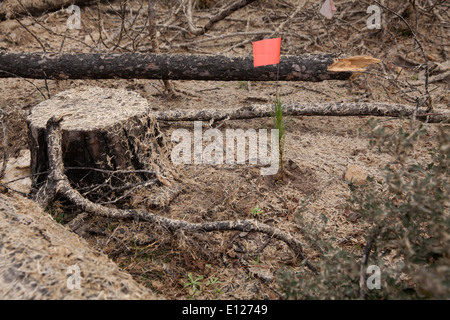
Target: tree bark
x=61 y=66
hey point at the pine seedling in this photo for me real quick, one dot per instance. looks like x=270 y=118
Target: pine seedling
x=280 y=124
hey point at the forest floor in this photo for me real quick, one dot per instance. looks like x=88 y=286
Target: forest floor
x=318 y=150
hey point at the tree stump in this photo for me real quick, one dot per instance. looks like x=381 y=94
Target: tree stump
x=111 y=144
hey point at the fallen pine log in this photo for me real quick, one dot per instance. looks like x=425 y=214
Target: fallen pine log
x=61 y=66
x=377 y=109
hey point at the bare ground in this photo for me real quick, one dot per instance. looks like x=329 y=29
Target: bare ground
x=318 y=149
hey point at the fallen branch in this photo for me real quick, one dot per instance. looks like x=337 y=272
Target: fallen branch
x=61 y=66
x=365 y=259
x=214 y=19
x=58 y=183
x=305 y=109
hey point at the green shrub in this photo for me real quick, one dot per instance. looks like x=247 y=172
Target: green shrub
x=408 y=236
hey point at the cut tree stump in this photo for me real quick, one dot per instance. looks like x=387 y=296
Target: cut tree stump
x=109 y=137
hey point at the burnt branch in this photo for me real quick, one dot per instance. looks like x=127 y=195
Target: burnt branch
x=62 y=66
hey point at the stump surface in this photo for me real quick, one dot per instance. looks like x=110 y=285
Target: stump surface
x=89 y=108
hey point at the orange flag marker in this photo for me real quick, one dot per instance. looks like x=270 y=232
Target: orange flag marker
x=266 y=52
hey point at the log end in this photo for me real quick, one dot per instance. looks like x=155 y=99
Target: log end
x=352 y=64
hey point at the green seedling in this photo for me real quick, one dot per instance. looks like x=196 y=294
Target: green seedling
x=212 y=281
x=256 y=211
x=255 y=262
x=280 y=124
x=194 y=284
x=243 y=84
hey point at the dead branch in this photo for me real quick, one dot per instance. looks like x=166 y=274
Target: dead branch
x=365 y=260
x=214 y=19
x=276 y=32
x=32 y=33
x=306 y=109
x=58 y=184
x=124 y=25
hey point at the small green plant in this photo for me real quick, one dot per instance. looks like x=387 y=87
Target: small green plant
x=280 y=124
x=60 y=217
x=56 y=213
x=214 y=282
x=256 y=211
x=255 y=262
x=243 y=84
x=195 y=285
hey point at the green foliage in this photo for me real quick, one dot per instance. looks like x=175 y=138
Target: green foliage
x=195 y=285
x=202 y=286
x=214 y=282
x=256 y=211
x=408 y=221
x=243 y=84
x=57 y=213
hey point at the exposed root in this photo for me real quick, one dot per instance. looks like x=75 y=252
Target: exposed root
x=58 y=184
